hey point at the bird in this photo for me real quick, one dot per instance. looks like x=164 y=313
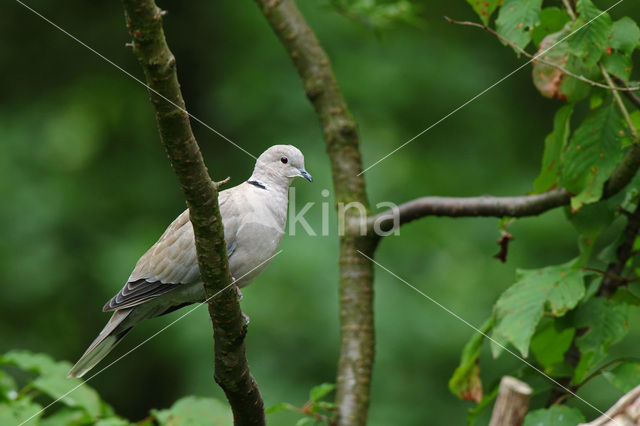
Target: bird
x=167 y=277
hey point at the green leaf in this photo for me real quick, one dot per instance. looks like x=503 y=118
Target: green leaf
x=618 y=64
x=605 y=324
x=593 y=153
x=557 y=415
x=553 y=146
x=283 y=406
x=552 y=20
x=625 y=35
x=465 y=382
x=571 y=89
x=52 y=380
x=320 y=391
x=552 y=290
x=484 y=8
x=516 y=20
x=191 y=410
x=553 y=83
x=624 y=377
x=589 y=42
x=549 y=345
x=18 y=411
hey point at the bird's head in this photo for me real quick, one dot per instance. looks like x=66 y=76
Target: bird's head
x=279 y=165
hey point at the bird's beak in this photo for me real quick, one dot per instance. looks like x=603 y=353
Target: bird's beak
x=305 y=175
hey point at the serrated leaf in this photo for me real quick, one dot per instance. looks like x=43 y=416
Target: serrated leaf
x=484 y=8
x=572 y=89
x=465 y=382
x=320 y=391
x=549 y=345
x=557 y=415
x=592 y=29
x=552 y=20
x=52 y=380
x=552 y=290
x=625 y=35
x=593 y=153
x=618 y=64
x=554 y=143
x=605 y=323
x=516 y=20
x=191 y=410
x=624 y=377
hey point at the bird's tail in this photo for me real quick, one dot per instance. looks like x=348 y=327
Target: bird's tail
x=108 y=338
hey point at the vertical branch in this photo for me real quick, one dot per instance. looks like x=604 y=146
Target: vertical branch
x=356 y=273
x=144 y=22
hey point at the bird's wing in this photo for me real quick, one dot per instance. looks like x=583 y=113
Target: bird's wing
x=172 y=260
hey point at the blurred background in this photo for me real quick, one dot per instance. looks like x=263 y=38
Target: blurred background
x=85 y=189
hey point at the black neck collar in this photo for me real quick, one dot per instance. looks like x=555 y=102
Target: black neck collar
x=256 y=183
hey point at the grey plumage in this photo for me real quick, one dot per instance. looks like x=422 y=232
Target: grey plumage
x=167 y=277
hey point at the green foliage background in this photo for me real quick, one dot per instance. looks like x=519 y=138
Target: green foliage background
x=85 y=188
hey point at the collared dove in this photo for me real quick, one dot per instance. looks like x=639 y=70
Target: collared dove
x=167 y=277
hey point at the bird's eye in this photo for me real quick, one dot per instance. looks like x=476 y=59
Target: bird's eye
x=284 y=160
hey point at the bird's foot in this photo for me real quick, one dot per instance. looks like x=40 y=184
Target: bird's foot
x=247 y=320
x=240 y=296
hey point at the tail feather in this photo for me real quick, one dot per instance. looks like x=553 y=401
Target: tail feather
x=108 y=338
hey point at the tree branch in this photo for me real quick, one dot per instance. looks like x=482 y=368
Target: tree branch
x=356 y=272
x=613 y=276
x=488 y=206
x=144 y=22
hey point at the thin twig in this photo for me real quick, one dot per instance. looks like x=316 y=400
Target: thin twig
x=570 y=11
x=538 y=58
x=621 y=105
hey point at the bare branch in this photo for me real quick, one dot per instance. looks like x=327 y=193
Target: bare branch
x=356 y=273
x=538 y=58
x=488 y=206
x=144 y=22
x=626 y=411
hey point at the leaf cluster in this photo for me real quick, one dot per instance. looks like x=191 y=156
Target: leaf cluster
x=555 y=317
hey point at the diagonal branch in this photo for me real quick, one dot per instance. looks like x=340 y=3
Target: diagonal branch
x=144 y=22
x=488 y=206
x=356 y=272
